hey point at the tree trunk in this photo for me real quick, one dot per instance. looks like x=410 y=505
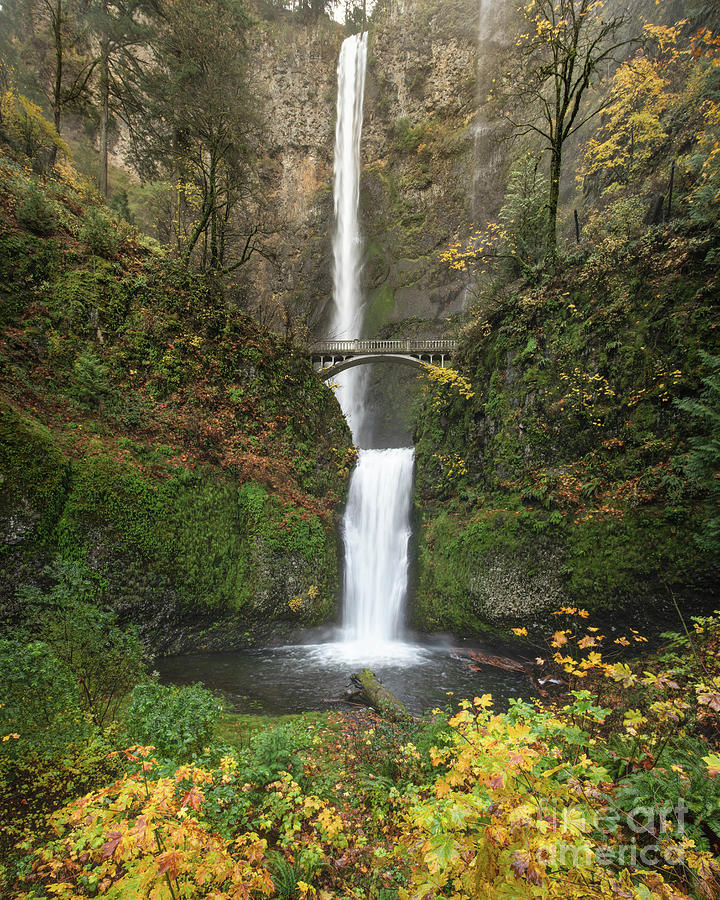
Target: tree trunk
x=213 y=217
x=555 y=169
x=197 y=231
x=57 y=87
x=175 y=216
x=104 y=114
x=207 y=214
x=379 y=697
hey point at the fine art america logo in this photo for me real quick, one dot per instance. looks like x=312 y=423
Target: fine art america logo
x=658 y=837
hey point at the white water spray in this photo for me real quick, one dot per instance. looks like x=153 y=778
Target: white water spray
x=347 y=244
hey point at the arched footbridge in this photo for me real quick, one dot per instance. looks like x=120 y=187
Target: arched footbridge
x=332 y=357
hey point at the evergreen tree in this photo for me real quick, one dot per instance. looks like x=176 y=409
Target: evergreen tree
x=121 y=30
x=522 y=215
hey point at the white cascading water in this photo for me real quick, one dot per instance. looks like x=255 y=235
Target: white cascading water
x=377 y=537
x=347 y=244
x=376 y=526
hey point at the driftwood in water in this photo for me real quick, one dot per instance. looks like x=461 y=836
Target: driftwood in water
x=498 y=662
x=541 y=684
x=490 y=659
x=375 y=694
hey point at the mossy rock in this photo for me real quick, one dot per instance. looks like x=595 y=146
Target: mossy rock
x=34 y=477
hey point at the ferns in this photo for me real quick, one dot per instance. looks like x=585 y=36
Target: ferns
x=702 y=464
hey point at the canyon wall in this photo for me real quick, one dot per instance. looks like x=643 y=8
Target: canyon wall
x=432 y=163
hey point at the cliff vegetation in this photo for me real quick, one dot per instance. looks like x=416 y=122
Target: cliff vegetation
x=188 y=458
x=571 y=459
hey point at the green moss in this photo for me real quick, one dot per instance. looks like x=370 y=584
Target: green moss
x=25 y=264
x=218 y=544
x=33 y=473
x=381 y=304
x=86 y=295
x=572 y=428
x=611 y=562
x=452 y=553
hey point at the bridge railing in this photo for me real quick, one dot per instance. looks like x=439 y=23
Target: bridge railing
x=379 y=346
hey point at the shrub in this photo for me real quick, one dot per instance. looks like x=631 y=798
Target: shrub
x=623 y=218
x=91 y=385
x=40 y=710
x=177 y=721
x=142 y=837
x=100 y=233
x=274 y=751
x=105 y=660
x=102 y=660
x=35 y=212
x=27 y=130
x=407 y=139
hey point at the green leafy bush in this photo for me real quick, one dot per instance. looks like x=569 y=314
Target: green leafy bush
x=102 y=660
x=408 y=139
x=91 y=384
x=99 y=233
x=274 y=751
x=40 y=710
x=623 y=218
x=106 y=660
x=35 y=211
x=177 y=721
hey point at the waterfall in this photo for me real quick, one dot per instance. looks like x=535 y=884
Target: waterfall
x=376 y=527
x=377 y=537
x=347 y=244
x=489 y=150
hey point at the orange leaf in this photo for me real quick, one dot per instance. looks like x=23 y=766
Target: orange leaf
x=110 y=846
x=169 y=863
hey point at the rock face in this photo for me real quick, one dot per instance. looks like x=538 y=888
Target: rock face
x=433 y=162
x=418 y=154
x=423 y=137
x=294 y=76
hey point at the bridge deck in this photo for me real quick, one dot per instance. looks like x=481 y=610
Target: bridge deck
x=346 y=348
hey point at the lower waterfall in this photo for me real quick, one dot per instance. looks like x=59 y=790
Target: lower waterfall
x=377 y=536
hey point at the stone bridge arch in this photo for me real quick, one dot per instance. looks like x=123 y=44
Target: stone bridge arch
x=332 y=357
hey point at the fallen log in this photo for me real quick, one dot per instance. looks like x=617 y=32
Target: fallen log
x=498 y=662
x=376 y=695
x=490 y=659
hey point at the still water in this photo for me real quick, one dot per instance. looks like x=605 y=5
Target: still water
x=298 y=678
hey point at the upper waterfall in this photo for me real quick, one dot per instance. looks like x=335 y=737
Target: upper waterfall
x=347 y=242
